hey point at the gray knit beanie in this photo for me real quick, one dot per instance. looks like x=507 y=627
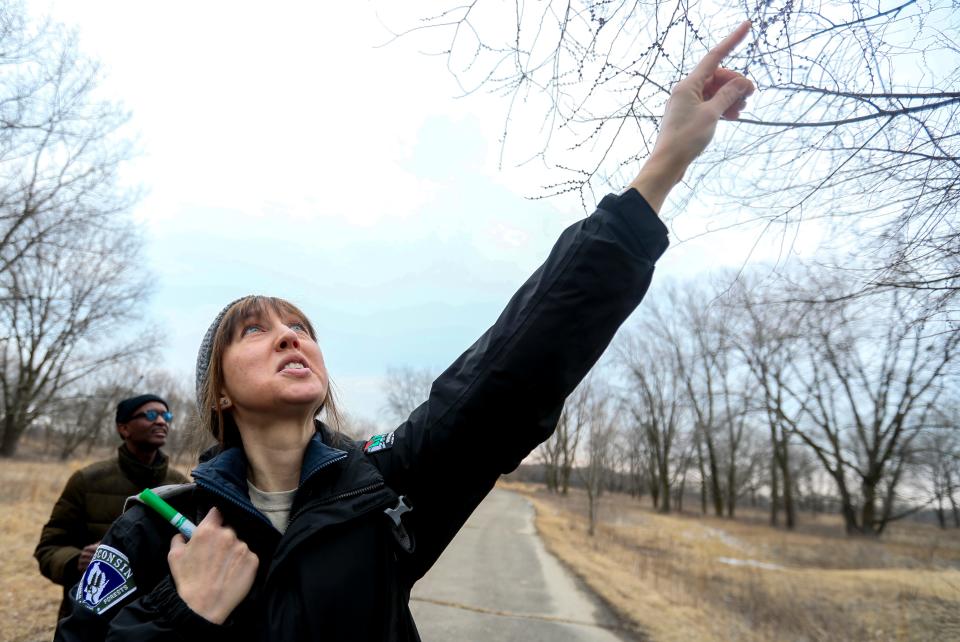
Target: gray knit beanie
x=206 y=351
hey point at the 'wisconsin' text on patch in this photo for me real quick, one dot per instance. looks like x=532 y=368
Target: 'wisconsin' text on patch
x=106 y=581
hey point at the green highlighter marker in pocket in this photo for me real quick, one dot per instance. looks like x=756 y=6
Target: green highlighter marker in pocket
x=168 y=512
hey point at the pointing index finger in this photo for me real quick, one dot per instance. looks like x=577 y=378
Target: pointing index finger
x=716 y=55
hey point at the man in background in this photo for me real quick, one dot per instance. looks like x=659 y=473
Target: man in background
x=94 y=495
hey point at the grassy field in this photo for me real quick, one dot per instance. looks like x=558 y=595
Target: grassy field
x=684 y=577
x=28 y=600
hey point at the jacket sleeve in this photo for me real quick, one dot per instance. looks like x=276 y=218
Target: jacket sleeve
x=64 y=534
x=503 y=396
x=149 y=608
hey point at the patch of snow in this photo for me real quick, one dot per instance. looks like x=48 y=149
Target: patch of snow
x=710 y=532
x=732 y=561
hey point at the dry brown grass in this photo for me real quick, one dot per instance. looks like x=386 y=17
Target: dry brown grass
x=685 y=577
x=29 y=601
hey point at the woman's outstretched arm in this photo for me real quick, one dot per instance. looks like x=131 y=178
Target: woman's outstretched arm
x=504 y=395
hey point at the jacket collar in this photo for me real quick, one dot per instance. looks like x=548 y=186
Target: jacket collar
x=147 y=475
x=226 y=473
x=230 y=466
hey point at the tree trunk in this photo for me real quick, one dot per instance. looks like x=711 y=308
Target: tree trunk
x=703 y=480
x=731 y=490
x=953 y=501
x=47 y=439
x=665 y=487
x=680 y=491
x=11 y=436
x=848 y=511
x=850 y=520
x=788 y=504
x=774 y=492
x=716 y=494
x=868 y=513
x=592 y=511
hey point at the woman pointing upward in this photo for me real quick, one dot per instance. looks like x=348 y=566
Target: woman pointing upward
x=304 y=535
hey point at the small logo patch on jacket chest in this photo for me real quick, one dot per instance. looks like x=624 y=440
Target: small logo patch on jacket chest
x=378 y=442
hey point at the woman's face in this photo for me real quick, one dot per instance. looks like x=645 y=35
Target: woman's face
x=272 y=365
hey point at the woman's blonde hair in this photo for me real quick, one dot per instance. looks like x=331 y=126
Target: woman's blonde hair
x=213 y=419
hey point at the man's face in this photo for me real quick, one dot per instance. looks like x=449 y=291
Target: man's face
x=140 y=433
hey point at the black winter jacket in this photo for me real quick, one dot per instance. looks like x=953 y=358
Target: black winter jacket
x=343 y=569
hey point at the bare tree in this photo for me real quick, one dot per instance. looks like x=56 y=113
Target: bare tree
x=866 y=389
x=856 y=380
x=82 y=420
x=405 y=389
x=687 y=321
x=70 y=271
x=697 y=338
x=854 y=121
x=654 y=403
x=59 y=144
x=768 y=342
x=57 y=313
x=600 y=415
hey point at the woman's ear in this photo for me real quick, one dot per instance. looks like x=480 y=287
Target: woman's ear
x=224 y=402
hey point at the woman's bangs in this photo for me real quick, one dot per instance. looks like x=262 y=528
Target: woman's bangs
x=258 y=307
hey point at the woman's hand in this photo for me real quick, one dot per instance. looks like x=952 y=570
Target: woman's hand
x=214 y=571
x=696 y=103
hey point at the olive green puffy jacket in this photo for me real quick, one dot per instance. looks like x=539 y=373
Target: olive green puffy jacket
x=92 y=499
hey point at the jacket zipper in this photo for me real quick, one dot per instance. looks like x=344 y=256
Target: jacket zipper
x=336 y=498
x=345 y=495
x=324 y=465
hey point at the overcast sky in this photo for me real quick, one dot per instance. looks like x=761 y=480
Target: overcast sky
x=282 y=153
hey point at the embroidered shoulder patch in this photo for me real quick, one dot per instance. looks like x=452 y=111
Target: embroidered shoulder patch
x=107 y=580
x=378 y=442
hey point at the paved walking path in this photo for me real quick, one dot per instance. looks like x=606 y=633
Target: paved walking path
x=496 y=581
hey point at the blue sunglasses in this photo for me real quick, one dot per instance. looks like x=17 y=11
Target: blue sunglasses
x=152 y=415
